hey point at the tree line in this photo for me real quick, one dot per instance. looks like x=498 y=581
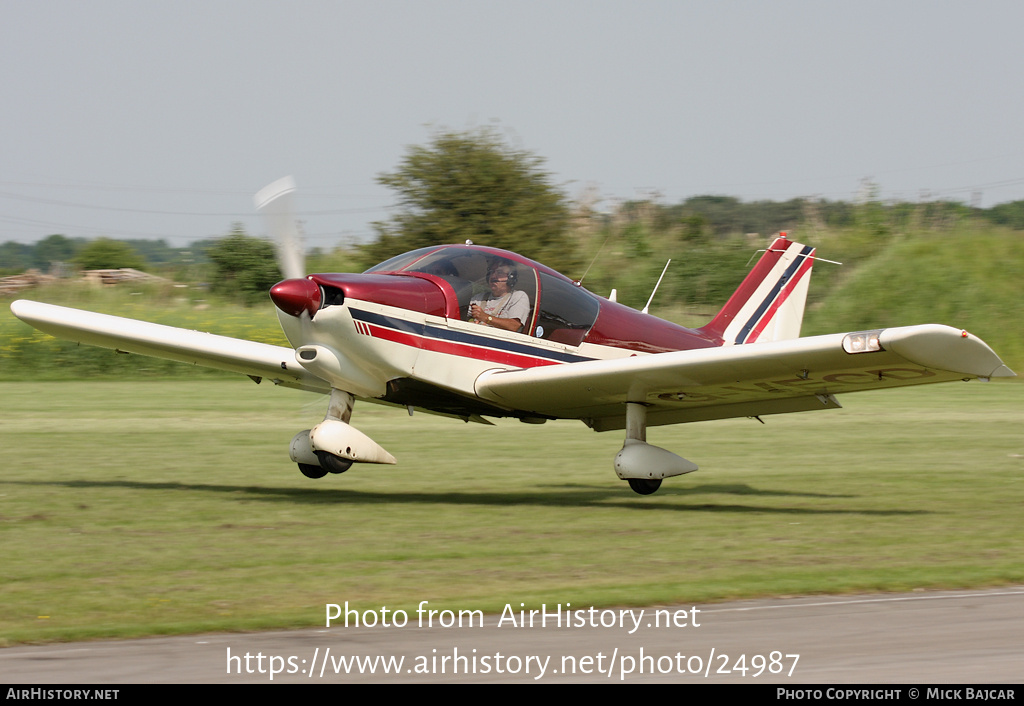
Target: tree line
x=473 y=185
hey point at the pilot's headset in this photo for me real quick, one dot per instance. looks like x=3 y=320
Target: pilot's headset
x=512 y=276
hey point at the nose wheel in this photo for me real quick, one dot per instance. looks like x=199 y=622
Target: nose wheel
x=330 y=463
x=311 y=471
x=333 y=445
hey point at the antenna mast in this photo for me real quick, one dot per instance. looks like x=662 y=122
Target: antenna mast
x=656 y=286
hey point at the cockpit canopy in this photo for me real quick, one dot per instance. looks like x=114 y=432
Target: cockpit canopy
x=560 y=310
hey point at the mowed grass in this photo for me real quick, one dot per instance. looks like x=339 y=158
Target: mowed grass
x=162 y=507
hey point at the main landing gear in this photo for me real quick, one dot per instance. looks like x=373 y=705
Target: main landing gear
x=641 y=464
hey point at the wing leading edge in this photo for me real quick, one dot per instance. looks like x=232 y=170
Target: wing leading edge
x=741 y=381
x=258 y=360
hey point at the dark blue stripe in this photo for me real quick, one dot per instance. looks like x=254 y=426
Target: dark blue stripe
x=446 y=334
x=790 y=271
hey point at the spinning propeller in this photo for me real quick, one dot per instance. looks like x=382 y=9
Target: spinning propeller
x=296 y=295
x=274 y=201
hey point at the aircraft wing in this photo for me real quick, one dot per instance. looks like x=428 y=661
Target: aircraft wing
x=257 y=360
x=744 y=380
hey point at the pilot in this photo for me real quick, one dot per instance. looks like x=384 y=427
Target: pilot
x=503 y=306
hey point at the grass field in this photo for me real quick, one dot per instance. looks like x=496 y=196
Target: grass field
x=162 y=507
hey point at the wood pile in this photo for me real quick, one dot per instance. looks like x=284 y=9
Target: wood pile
x=10 y=286
x=125 y=274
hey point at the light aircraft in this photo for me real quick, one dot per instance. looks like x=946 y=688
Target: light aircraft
x=411 y=332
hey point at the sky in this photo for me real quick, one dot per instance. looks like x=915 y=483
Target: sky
x=161 y=119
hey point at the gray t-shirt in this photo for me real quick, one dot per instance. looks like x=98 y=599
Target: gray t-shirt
x=515 y=305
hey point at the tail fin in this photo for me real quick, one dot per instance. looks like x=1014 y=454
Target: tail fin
x=769 y=304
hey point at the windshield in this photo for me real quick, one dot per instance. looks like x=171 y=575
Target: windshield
x=399 y=262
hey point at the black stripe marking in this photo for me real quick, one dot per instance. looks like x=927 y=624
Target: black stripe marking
x=446 y=334
x=779 y=284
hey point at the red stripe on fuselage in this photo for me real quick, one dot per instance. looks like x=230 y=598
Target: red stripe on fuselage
x=462 y=350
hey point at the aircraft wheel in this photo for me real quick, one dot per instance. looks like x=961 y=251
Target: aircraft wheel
x=645 y=486
x=311 y=471
x=332 y=463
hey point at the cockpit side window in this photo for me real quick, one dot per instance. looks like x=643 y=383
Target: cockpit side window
x=566 y=312
x=507 y=290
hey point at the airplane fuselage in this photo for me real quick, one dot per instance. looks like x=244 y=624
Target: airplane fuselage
x=404 y=326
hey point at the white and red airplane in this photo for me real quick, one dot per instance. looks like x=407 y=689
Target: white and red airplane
x=411 y=332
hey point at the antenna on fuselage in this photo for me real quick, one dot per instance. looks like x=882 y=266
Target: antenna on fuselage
x=644 y=310
x=596 y=255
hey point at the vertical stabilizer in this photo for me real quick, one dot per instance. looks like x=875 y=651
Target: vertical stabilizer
x=769 y=304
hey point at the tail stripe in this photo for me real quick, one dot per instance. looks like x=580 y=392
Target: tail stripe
x=769 y=303
x=776 y=296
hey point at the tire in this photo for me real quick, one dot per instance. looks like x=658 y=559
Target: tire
x=311 y=471
x=332 y=463
x=645 y=486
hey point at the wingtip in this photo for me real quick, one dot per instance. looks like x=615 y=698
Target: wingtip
x=21 y=307
x=945 y=348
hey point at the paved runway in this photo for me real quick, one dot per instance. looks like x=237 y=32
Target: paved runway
x=965 y=637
